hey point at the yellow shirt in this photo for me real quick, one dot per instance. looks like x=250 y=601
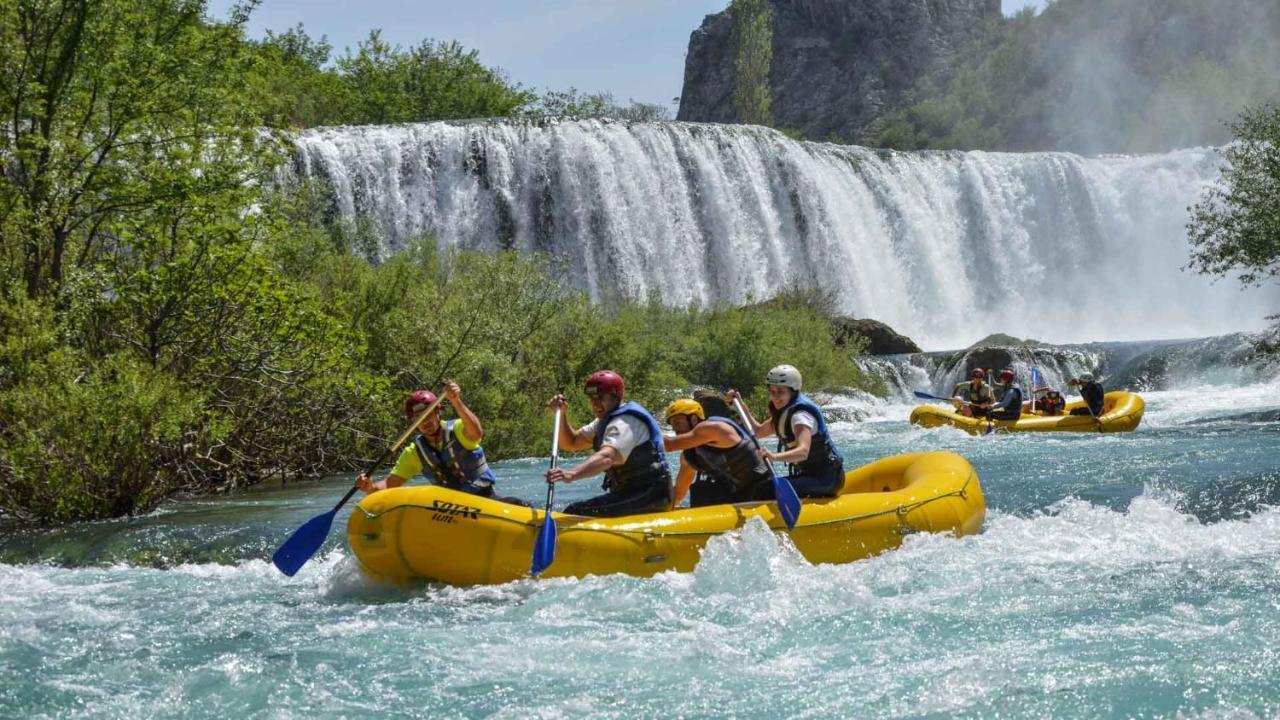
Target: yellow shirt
x=409 y=464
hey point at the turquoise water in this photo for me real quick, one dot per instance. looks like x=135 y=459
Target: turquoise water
x=1117 y=576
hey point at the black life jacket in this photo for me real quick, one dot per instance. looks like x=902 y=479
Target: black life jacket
x=1093 y=395
x=739 y=465
x=823 y=456
x=1011 y=402
x=646 y=465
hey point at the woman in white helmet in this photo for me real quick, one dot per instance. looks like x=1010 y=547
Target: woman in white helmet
x=817 y=469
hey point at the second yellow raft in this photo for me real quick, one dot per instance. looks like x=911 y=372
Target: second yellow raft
x=432 y=533
x=1121 y=412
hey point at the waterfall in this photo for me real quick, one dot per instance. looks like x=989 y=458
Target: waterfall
x=946 y=247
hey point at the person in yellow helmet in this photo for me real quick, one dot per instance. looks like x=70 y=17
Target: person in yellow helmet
x=718 y=462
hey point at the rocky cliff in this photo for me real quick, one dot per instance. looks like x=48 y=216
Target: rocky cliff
x=837 y=64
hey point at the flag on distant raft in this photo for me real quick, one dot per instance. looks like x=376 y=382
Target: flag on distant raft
x=1036 y=381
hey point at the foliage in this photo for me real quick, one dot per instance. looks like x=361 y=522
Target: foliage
x=112 y=108
x=294 y=83
x=1096 y=76
x=573 y=104
x=753 y=58
x=1235 y=228
x=1236 y=225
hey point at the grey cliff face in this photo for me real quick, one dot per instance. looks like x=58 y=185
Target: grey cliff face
x=837 y=64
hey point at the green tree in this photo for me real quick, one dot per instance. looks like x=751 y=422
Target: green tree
x=293 y=83
x=1235 y=228
x=431 y=81
x=111 y=108
x=753 y=58
x=574 y=104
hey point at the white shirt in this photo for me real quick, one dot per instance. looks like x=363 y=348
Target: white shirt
x=623 y=433
x=799 y=419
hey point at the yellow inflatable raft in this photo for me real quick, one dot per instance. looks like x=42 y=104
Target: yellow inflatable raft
x=432 y=533
x=1121 y=412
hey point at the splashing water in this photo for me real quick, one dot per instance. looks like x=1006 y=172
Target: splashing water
x=1117 y=575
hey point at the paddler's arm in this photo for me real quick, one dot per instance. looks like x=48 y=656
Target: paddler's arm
x=407 y=465
x=760 y=429
x=470 y=423
x=570 y=439
x=797 y=454
x=715 y=434
x=389 y=481
x=601 y=460
x=683 y=480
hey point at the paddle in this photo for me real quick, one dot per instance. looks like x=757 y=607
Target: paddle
x=788 y=501
x=926 y=396
x=306 y=540
x=544 y=547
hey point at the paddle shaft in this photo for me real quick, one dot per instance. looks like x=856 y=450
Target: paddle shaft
x=555 y=458
x=391 y=450
x=750 y=428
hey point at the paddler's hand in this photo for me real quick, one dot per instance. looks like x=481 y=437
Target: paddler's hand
x=556 y=402
x=452 y=392
x=559 y=475
x=730 y=395
x=363 y=482
x=766 y=455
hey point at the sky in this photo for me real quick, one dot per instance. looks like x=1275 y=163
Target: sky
x=632 y=48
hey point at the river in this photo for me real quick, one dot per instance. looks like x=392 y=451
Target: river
x=1117 y=575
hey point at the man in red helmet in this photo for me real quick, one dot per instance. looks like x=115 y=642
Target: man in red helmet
x=973 y=399
x=447 y=454
x=627 y=445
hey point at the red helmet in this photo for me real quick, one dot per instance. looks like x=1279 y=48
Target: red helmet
x=605 y=381
x=1006 y=374
x=977 y=374
x=418 y=401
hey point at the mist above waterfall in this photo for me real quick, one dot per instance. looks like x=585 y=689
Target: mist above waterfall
x=946 y=247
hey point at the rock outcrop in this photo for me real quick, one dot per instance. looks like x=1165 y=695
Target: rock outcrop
x=881 y=339
x=837 y=64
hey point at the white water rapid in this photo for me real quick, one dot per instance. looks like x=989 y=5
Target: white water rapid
x=945 y=247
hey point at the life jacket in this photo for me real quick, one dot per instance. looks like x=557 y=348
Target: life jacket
x=646 y=465
x=1052 y=403
x=452 y=465
x=739 y=465
x=1093 y=395
x=1011 y=401
x=823 y=456
x=978 y=395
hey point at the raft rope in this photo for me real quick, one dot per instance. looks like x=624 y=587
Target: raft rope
x=901 y=511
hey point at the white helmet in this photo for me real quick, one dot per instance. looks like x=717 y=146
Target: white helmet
x=784 y=375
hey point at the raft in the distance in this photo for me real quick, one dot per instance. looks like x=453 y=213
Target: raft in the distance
x=1121 y=412
x=432 y=533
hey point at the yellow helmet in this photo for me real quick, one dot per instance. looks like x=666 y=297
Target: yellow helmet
x=685 y=406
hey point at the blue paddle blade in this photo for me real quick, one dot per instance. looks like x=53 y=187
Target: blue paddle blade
x=788 y=501
x=927 y=396
x=544 y=548
x=303 y=543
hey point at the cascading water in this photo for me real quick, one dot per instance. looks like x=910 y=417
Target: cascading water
x=946 y=247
